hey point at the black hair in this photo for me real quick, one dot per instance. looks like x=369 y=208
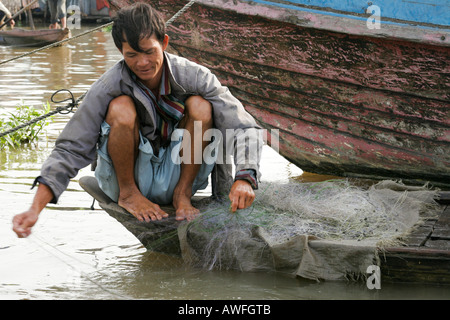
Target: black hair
x=136 y=22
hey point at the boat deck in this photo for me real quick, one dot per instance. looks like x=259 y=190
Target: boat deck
x=425 y=257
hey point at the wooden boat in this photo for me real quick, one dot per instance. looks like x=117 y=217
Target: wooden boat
x=159 y=236
x=352 y=93
x=32 y=38
x=347 y=100
x=423 y=258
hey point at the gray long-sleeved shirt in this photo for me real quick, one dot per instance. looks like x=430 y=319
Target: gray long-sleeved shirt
x=75 y=148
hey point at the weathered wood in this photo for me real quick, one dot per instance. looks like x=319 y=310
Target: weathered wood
x=424 y=258
x=344 y=104
x=440 y=244
x=442 y=227
x=443 y=197
x=420 y=235
x=416 y=265
x=158 y=236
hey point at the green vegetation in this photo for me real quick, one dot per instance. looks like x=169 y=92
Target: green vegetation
x=107 y=28
x=28 y=134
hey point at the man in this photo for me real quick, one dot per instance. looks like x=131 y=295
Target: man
x=5 y=14
x=133 y=111
x=57 y=10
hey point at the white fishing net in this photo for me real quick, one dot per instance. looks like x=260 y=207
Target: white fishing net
x=323 y=230
x=317 y=230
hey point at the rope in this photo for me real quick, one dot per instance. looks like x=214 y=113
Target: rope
x=168 y=23
x=179 y=13
x=63 y=110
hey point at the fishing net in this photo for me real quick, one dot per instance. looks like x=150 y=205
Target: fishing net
x=329 y=230
x=325 y=230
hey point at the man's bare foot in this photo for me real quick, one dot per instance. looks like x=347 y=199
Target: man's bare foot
x=184 y=208
x=142 y=208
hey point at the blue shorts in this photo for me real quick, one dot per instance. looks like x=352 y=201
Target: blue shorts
x=156 y=177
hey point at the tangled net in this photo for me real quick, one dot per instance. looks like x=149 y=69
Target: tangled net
x=285 y=217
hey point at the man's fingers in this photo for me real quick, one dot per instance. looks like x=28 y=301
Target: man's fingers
x=242 y=202
x=250 y=200
x=234 y=203
x=241 y=195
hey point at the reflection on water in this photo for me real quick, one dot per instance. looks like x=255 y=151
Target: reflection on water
x=77 y=252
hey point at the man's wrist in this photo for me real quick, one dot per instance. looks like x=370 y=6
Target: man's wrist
x=248 y=175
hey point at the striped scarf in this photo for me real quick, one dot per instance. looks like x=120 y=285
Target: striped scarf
x=169 y=109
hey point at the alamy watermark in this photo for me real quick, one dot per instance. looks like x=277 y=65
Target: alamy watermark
x=244 y=145
x=73 y=17
x=374 y=277
x=374 y=21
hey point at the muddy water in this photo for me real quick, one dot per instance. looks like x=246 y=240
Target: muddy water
x=77 y=252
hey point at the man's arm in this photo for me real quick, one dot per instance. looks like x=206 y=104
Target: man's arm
x=5 y=10
x=244 y=140
x=74 y=149
x=7 y=13
x=22 y=223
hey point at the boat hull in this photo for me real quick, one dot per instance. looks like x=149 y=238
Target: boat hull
x=346 y=100
x=32 y=38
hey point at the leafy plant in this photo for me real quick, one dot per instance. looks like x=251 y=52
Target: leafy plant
x=28 y=134
x=107 y=28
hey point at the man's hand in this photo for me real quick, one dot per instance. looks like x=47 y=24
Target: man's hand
x=12 y=23
x=22 y=223
x=241 y=195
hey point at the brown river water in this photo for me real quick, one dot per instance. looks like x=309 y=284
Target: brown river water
x=79 y=253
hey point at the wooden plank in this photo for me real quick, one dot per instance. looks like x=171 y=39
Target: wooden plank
x=419 y=236
x=420 y=266
x=438 y=244
x=443 y=197
x=442 y=226
x=425 y=258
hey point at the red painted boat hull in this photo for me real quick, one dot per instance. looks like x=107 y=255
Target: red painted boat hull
x=346 y=104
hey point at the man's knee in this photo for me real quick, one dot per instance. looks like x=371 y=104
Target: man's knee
x=121 y=110
x=199 y=109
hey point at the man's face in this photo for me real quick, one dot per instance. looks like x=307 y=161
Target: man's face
x=147 y=65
